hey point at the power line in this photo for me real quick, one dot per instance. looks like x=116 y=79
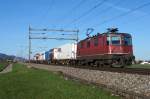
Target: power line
x=123 y=14
x=137 y=19
x=108 y=8
x=78 y=5
x=74 y=8
x=89 y=11
x=105 y=10
x=47 y=11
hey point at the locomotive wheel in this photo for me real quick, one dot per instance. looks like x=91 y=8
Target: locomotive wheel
x=129 y=61
x=118 y=63
x=99 y=64
x=79 y=63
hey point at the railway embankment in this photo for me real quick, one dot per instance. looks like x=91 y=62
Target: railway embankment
x=3 y=66
x=133 y=86
x=8 y=68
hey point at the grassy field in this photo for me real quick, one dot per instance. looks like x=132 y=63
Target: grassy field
x=24 y=83
x=147 y=66
x=2 y=65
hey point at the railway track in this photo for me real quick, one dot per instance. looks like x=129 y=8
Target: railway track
x=140 y=71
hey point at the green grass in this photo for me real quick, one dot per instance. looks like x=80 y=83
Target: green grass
x=147 y=66
x=2 y=65
x=24 y=83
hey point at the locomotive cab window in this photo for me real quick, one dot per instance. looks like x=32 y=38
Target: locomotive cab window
x=115 y=40
x=127 y=41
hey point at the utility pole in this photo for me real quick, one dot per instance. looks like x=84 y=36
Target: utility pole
x=74 y=32
x=29 y=44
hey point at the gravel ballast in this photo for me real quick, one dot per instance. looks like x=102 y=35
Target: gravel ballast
x=131 y=83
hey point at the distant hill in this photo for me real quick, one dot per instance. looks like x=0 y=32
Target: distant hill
x=5 y=57
x=10 y=57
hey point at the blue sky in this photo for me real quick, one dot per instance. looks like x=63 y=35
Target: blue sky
x=16 y=15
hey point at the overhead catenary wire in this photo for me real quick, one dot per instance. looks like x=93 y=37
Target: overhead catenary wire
x=105 y=10
x=123 y=14
x=73 y=9
x=50 y=6
x=88 y=11
x=102 y=12
x=108 y=8
x=136 y=19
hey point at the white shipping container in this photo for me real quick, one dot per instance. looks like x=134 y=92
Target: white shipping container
x=66 y=51
x=43 y=56
x=55 y=53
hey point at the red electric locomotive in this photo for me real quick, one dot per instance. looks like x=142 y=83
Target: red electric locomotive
x=111 y=48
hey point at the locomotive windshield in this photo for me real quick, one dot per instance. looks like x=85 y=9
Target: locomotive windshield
x=114 y=40
x=119 y=40
x=127 y=40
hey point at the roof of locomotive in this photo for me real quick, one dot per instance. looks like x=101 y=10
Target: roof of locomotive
x=105 y=34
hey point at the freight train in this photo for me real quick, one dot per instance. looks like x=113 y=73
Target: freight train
x=103 y=49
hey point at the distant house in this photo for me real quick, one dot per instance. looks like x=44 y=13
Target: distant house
x=144 y=63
